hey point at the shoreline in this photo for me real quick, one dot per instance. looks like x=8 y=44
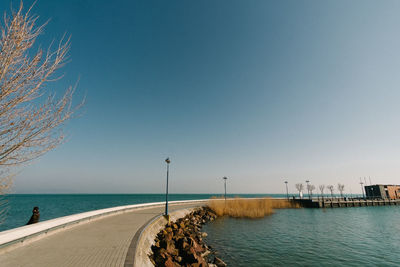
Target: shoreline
x=52 y=206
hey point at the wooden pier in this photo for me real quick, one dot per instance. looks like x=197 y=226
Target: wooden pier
x=344 y=202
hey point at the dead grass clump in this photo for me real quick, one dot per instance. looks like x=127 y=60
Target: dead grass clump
x=249 y=208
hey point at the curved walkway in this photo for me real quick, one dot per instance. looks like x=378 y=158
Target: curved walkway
x=104 y=242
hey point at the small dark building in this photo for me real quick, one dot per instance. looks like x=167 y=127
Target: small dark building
x=382 y=191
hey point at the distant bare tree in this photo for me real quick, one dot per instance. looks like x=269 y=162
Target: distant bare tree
x=340 y=187
x=331 y=188
x=300 y=188
x=310 y=188
x=322 y=188
x=30 y=114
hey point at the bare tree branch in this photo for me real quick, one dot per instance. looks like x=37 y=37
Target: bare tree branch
x=310 y=189
x=30 y=114
x=321 y=189
x=340 y=187
x=331 y=188
x=300 y=188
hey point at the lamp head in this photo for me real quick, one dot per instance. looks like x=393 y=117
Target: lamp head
x=167 y=161
x=225 y=178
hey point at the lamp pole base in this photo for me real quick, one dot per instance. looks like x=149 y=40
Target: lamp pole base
x=167 y=217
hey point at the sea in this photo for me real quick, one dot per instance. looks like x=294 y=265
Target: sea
x=19 y=206
x=357 y=236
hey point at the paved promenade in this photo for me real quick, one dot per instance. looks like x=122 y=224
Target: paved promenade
x=104 y=242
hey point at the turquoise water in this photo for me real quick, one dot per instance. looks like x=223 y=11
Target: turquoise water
x=364 y=236
x=53 y=206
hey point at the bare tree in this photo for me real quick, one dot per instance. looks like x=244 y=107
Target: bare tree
x=331 y=188
x=300 y=188
x=30 y=114
x=310 y=188
x=322 y=188
x=340 y=187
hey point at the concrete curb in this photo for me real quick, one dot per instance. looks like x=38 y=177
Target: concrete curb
x=20 y=236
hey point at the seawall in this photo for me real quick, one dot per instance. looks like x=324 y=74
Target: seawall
x=146 y=236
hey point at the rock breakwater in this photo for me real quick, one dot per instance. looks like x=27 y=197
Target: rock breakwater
x=180 y=243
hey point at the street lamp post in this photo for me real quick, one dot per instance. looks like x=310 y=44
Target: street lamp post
x=287 y=191
x=225 y=178
x=166 y=195
x=308 y=189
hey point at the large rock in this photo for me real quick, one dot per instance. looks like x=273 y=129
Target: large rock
x=219 y=262
x=181 y=243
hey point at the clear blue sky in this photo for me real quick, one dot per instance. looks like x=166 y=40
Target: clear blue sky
x=258 y=91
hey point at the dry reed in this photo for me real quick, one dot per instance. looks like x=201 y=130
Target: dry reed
x=249 y=208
